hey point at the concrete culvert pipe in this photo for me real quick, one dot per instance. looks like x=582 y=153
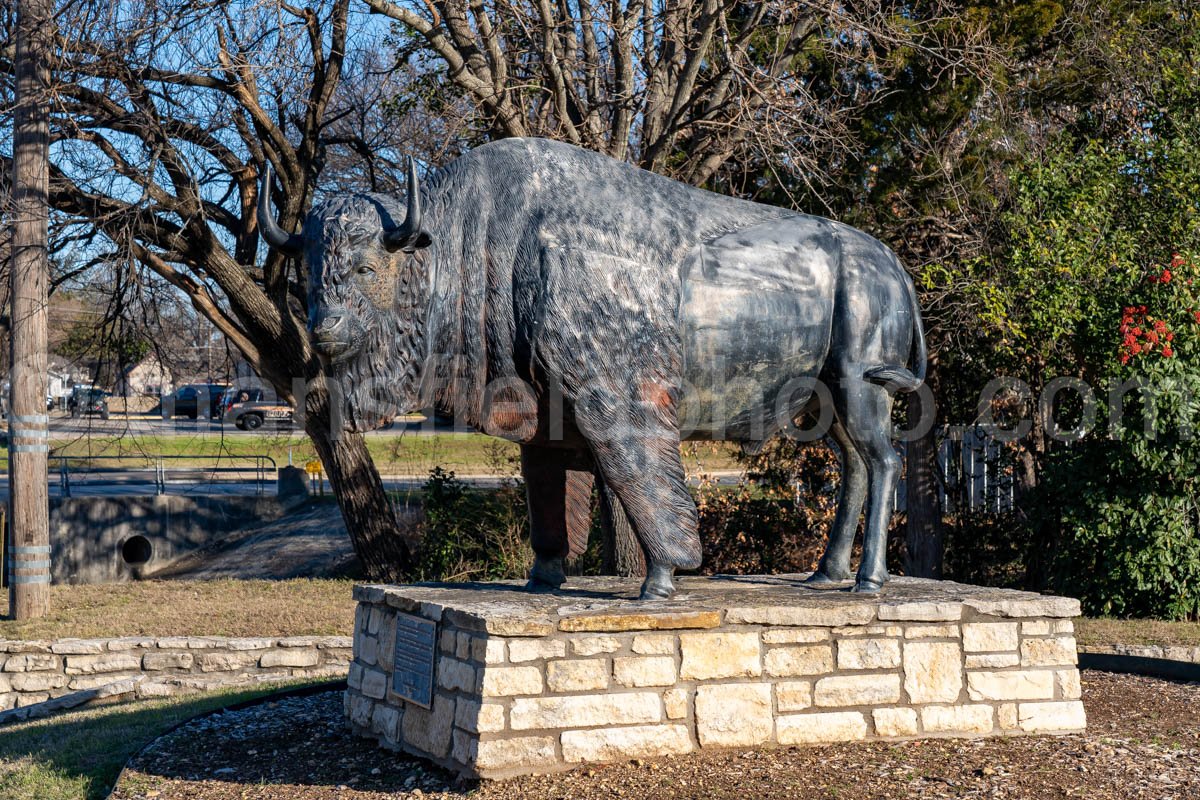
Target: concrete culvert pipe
x=136 y=550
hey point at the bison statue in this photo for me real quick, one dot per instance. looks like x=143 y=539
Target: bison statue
x=600 y=314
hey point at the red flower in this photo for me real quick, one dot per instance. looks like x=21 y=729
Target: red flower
x=1166 y=276
x=1125 y=358
x=1167 y=351
x=1159 y=325
x=1176 y=260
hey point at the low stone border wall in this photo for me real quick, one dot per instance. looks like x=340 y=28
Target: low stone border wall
x=36 y=671
x=1187 y=655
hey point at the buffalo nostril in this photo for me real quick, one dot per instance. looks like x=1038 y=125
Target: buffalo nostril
x=328 y=326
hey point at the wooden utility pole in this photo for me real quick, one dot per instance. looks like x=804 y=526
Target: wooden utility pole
x=28 y=422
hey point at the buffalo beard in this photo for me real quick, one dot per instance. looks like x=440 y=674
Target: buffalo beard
x=382 y=380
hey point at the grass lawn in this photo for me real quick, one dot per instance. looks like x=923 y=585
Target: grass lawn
x=394 y=454
x=191 y=608
x=1137 y=631
x=78 y=755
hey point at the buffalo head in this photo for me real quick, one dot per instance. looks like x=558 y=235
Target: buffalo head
x=367 y=291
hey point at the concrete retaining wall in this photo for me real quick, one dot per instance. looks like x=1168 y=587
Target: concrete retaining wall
x=32 y=672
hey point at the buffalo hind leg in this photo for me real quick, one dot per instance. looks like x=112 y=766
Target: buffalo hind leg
x=646 y=474
x=852 y=493
x=545 y=472
x=865 y=410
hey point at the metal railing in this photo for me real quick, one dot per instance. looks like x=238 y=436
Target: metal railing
x=261 y=467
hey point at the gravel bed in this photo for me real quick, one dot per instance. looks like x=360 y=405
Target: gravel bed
x=1143 y=741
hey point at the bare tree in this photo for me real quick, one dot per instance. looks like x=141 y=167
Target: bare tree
x=163 y=116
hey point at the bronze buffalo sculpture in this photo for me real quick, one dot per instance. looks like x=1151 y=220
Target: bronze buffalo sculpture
x=598 y=314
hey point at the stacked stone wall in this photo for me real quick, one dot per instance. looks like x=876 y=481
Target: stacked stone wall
x=35 y=671
x=515 y=696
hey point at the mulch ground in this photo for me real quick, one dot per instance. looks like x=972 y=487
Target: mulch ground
x=1143 y=741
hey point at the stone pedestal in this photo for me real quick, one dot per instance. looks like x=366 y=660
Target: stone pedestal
x=524 y=683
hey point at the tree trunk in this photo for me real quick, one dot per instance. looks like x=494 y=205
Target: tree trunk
x=924 y=540
x=622 y=551
x=29 y=542
x=366 y=509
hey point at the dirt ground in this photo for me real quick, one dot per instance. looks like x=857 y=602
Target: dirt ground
x=1143 y=741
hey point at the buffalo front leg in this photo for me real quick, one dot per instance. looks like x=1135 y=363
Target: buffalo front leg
x=835 y=562
x=866 y=411
x=545 y=472
x=646 y=474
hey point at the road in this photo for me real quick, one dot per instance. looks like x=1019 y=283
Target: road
x=62 y=426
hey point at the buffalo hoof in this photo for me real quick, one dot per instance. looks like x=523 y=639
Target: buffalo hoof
x=547 y=575
x=867 y=587
x=822 y=579
x=658 y=584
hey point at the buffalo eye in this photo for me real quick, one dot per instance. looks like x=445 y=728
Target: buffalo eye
x=365 y=271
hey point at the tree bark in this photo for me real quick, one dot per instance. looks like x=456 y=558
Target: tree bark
x=29 y=542
x=370 y=520
x=924 y=540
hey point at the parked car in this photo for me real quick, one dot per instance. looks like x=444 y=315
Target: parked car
x=86 y=400
x=187 y=399
x=252 y=414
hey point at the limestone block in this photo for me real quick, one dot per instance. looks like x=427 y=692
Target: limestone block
x=931 y=632
x=1061 y=716
x=645 y=671
x=1006 y=715
x=795 y=635
x=7 y=700
x=1027 y=606
x=1067 y=683
x=584 y=711
x=453 y=674
x=223 y=662
x=734 y=715
x=446 y=641
x=32 y=662
x=354 y=676
x=32 y=698
x=130 y=643
x=5 y=684
x=487 y=650
x=523 y=650
x=1035 y=627
x=368 y=650
x=793 y=695
x=840 y=726
x=921 y=612
x=462 y=645
x=106 y=662
x=38 y=681
x=1018 y=685
x=612 y=744
x=637 y=621
x=984 y=637
x=785 y=662
x=508 y=681
x=173 y=643
x=78 y=647
x=823 y=616
x=719 y=655
x=385 y=650
x=463 y=747
x=992 y=660
x=360 y=710
x=1059 y=626
x=511 y=756
x=428 y=730
x=895 y=722
x=374 y=684
x=857 y=690
x=1049 y=652
x=577 y=675
x=957 y=719
x=868 y=654
x=155 y=661
x=291 y=657
x=385 y=721
x=654 y=644
x=249 y=644
x=932 y=671
x=475 y=717
x=675 y=703
x=595 y=645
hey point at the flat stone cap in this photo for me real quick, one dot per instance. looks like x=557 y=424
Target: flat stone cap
x=606 y=604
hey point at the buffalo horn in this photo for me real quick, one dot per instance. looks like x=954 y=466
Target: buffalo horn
x=289 y=244
x=407 y=234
